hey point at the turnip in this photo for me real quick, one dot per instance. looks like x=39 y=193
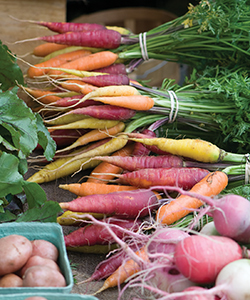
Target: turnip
x=201 y=258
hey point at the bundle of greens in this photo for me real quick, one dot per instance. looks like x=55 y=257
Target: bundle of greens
x=210 y=33
x=20 y=132
x=214 y=106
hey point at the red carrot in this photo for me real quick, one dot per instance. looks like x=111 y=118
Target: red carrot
x=139 y=148
x=183 y=177
x=134 y=163
x=64 y=137
x=108 y=79
x=68 y=101
x=104 y=38
x=108 y=112
x=127 y=204
x=118 y=68
x=96 y=234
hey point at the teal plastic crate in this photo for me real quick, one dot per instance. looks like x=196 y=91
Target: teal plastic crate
x=48 y=296
x=51 y=232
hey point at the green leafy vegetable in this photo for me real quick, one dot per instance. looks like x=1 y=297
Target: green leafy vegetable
x=21 y=131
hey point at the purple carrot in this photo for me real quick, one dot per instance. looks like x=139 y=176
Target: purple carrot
x=182 y=177
x=96 y=234
x=106 y=80
x=63 y=27
x=68 y=101
x=118 y=68
x=65 y=137
x=106 y=112
x=127 y=204
x=105 y=38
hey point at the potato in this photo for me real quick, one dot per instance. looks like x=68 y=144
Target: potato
x=43 y=276
x=38 y=261
x=45 y=249
x=11 y=280
x=15 y=250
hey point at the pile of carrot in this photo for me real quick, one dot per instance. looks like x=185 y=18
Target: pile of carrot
x=86 y=101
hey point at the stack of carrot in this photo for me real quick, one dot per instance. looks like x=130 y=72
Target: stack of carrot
x=88 y=99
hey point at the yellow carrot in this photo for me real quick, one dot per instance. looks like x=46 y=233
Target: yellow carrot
x=89 y=123
x=65 y=119
x=196 y=149
x=67 y=166
x=72 y=218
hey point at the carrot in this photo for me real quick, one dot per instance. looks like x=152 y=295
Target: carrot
x=137 y=102
x=104 y=169
x=88 y=123
x=44 y=67
x=66 y=137
x=126 y=204
x=91 y=188
x=211 y=185
x=104 y=38
x=77 y=161
x=96 y=249
x=116 y=68
x=78 y=86
x=42 y=96
x=72 y=218
x=106 y=80
x=122 y=273
x=97 y=234
x=73 y=100
x=62 y=27
x=182 y=177
x=106 y=111
x=91 y=62
x=196 y=149
x=112 y=91
x=95 y=135
x=47 y=48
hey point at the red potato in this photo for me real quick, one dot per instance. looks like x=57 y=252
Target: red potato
x=128 y=204
x=201 y=258
x=44 y=249
x=11 y=280
x=43 y=276
x=15 y=250
x=38 y=261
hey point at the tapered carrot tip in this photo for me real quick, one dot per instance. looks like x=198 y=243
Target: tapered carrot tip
x=64 y=205
x=103 y=288
x=64 y=187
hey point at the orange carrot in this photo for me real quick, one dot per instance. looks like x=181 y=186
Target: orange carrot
x=211 y=185
x=95 y=135
x=98 y=174
x=127 y=269
x=42 y=96
x=91 y=62
x=91 y=188
x=47 y=48
x=137 y=102
x=44 y=67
